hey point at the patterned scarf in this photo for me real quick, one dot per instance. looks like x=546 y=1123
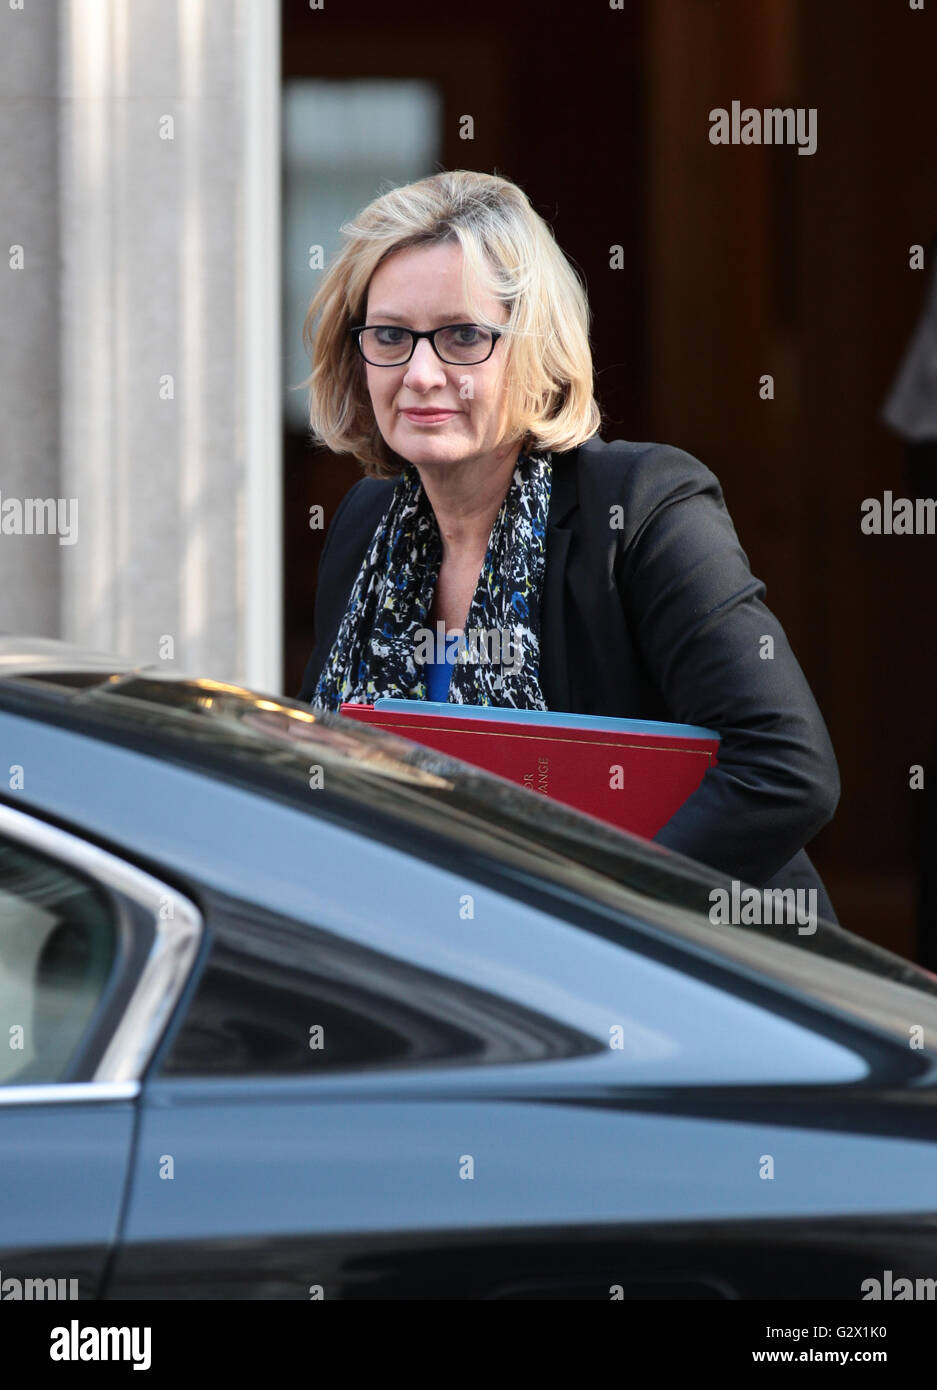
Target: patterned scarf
x=385 y=637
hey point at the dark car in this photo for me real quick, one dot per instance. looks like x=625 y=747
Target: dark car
x=291 y=1008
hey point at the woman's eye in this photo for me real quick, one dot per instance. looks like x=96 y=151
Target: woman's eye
x=388 y=336
x=468 y=334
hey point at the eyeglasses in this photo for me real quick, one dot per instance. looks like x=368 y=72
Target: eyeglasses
x=458 y=344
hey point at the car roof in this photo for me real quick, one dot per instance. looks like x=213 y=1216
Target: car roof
x=67 y=684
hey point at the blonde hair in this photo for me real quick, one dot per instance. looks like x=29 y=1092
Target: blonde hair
x=510 y=251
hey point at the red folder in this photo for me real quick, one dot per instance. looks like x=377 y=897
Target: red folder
x=633 y=777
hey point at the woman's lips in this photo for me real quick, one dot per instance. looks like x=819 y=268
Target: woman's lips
x=428 y=417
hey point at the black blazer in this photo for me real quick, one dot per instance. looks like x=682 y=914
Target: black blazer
x=649 y=610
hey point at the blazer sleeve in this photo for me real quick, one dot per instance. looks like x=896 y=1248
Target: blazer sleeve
x=697 y=614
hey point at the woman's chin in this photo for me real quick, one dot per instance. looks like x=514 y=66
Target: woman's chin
x=430 y=451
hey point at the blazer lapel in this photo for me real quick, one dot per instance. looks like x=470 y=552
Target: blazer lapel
x=564 y=498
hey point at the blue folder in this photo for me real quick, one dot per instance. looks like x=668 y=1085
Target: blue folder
x=556 y=719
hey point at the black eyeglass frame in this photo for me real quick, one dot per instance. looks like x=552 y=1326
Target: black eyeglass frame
x=430 y=333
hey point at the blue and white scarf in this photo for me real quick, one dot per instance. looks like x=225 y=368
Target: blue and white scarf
x=377 y=652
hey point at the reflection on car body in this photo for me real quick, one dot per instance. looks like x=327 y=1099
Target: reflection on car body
x=406 y=1030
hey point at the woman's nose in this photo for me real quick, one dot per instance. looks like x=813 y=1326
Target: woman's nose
x=424 y=368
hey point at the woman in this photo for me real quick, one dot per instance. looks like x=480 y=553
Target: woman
x=450 y=354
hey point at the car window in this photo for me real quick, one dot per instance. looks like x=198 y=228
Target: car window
x=279 y=997
x=58 y=945
x=375 y=966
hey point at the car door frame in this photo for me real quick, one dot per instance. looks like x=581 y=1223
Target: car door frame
x=76 y=1136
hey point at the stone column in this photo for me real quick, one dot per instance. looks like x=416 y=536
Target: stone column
x=169 y=419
